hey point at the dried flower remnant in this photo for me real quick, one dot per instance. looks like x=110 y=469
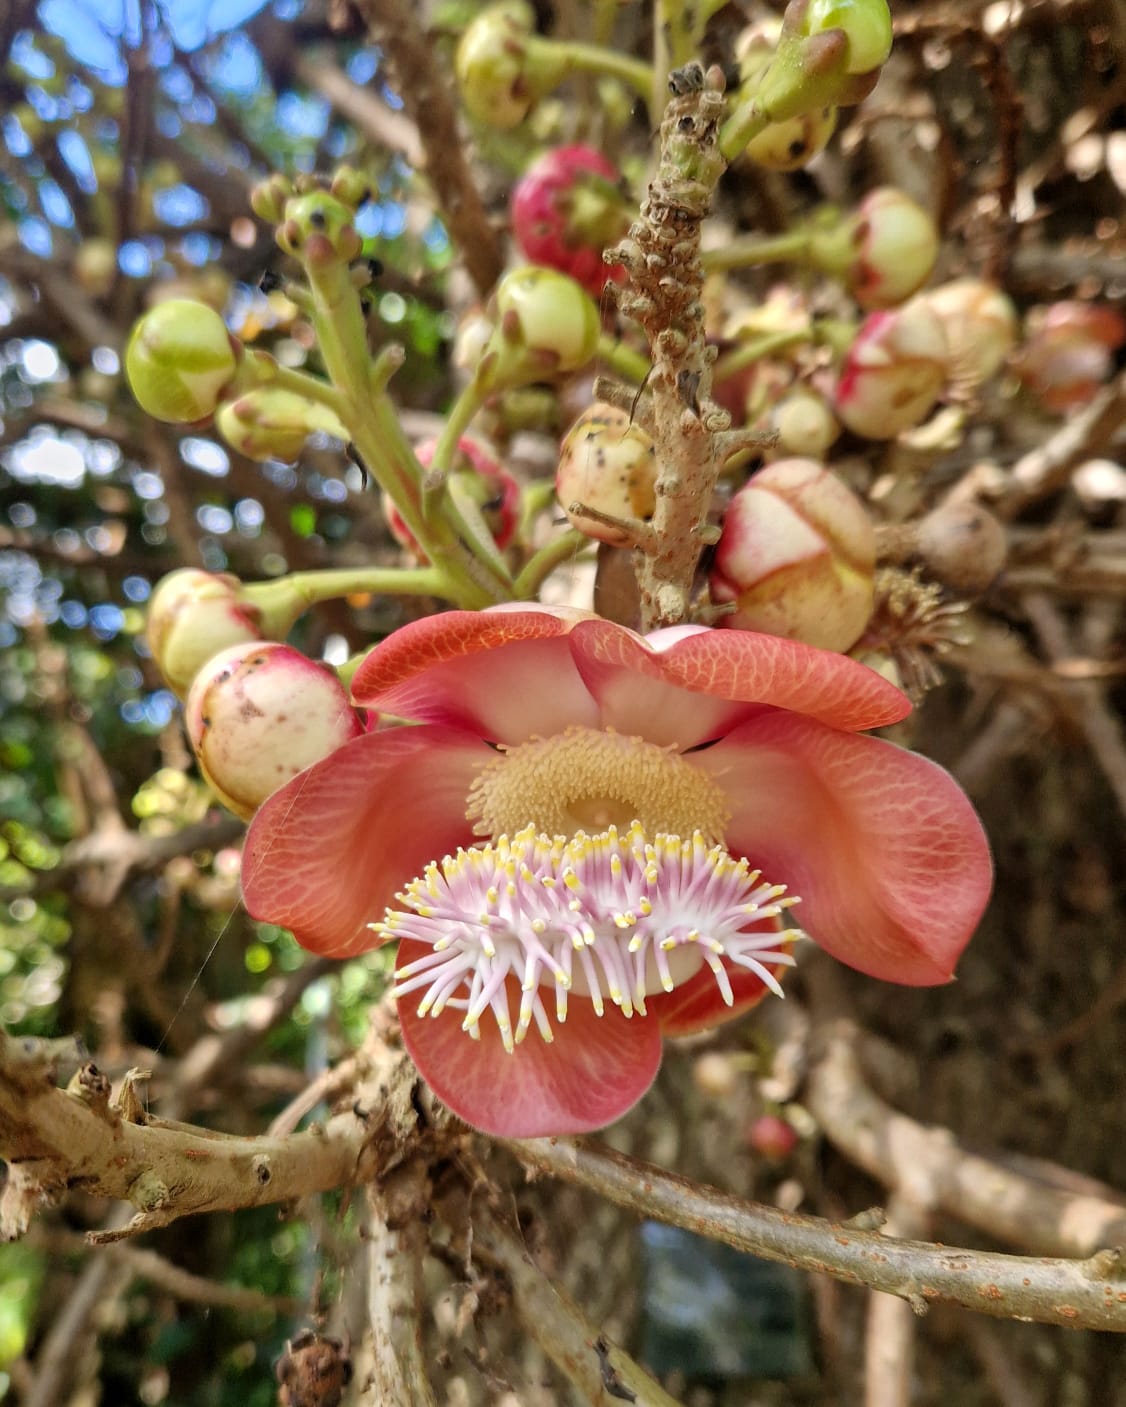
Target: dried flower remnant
x=913 y=624
x=567 y=840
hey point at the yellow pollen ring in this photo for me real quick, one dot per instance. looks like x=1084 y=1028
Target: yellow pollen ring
x=586 y=779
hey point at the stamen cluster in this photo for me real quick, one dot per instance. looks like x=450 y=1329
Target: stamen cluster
x=612 y=916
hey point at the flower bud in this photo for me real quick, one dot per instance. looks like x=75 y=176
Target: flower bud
x=789 y=145
x=893 y=373
x=271 y=423
x=771 y=1138
x=607 y=463
x=830 y=53
x=963 y=545
x=192 y=616
x=797 y=557
x=884 y=251
x=486 y=481
x=866 y=25
x=350 y=187
x=805 y=423
x=715 y=1075
x=500 y=77
x=268 y=198
x=1067 y=354
x=545 y=325
x=980 y=325
x=318 y=229
x=259 y=713
x=566 y=209
x=179 y=358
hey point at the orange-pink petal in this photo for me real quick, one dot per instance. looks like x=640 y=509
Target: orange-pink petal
x=327 y=853
x=502 y=674
x=595 y=1069
x=883 y=847
x=686 y=687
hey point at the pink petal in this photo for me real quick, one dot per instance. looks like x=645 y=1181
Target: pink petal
x=596 y=1068
x=698 y=1005
x=501 y=674
x=885 y=850
x=328 y=852
x=684 y=688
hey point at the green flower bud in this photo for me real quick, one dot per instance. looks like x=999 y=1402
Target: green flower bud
x=318 y=228
x=271 y=423
x=179 y=358
x=192 y=616
x=268 y=198
x=546 y=324
x=350 y=187
x=866 y=24
x=502 y=71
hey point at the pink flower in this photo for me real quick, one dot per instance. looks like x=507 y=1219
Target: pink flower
x=599 y=799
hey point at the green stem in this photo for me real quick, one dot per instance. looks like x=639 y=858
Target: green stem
x=755 y=348
x=540 y=566
x=623 y=361
x=459 y=417
x=744 y=124
x=752 y=250
x=592 y=58
x=314 y=587
x=536 y=499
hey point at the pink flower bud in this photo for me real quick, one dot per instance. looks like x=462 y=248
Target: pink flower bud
x=607 y=463
x=192 y=616
x=980 y=325
x=1067 y=353
x=257 y=714
x=797 y=557
x=494 y=489
x=893 y=373
x=566 y=209
x=772 y=1138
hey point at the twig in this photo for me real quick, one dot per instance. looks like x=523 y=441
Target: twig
x=181 y=1284
x=902 y=1153
x=425 y=93
x=397 y=1244
x=599 y=1370
x=889 y=1338
x=384 y=128
x=1081 y=1293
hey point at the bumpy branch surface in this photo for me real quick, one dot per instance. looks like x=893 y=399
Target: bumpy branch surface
x=662 y=255
x=1088 y=1294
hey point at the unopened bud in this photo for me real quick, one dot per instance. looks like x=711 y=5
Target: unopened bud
x=715 y=1074
x=609 y=464
x=546 y=324
x=884 y=251
x=805 y=424
x=1068 y=351
x=500 y=72
x=268 y=198
x=179 y=358
x=789 y=145
x=963 y=545
x=980 y=325
x=771 y=1138
x=484 y=480
x=318 y=229
x=271 y=423
x=866 y=25
x=192 y=616
x=893 y=373
x=350 y=187
x=797 y=557
x=257 y=714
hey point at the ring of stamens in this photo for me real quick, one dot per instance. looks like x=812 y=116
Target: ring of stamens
x=588 y=779
x=611 y=917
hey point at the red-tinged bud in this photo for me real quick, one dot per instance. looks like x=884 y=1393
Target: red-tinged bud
x=491 y=487
x=830 y=53
x=192 y=616
x=797 y=557
x=566 y=209
x=1068 y=352
x=866 y=25
x=545 y=325
x=607 y=464
x=270 y=423
x=884 y=251
x=981 y=328
x=257 y=714
x=893 y=373
x=771 y=1138
x=179 y=359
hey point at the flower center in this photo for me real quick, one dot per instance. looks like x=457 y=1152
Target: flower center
x=611 y=917
x=586 y=780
